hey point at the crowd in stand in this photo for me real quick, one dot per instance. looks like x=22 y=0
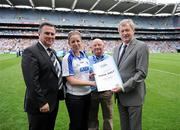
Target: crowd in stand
x=154 y=35
x=8 y=45
x=163 y=46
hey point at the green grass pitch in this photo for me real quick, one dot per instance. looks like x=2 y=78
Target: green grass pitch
x=161 y=109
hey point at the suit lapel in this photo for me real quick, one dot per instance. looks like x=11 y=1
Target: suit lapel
x=46 y=57
x=118 y=55
x=60 y=63
x=128 y=50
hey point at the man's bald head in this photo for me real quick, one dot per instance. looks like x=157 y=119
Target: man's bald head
x=97 y=46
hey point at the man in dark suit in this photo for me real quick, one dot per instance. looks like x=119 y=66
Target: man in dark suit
x=43 y=80
x=133 y=67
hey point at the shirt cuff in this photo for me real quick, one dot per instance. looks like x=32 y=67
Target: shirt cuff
x=122 y=89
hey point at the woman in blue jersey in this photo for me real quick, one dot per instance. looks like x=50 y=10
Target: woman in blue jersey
x=76 y=68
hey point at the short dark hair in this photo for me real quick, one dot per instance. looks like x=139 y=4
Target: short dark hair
x=46 y=24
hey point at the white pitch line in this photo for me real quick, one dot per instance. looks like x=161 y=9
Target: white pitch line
x=167 y=72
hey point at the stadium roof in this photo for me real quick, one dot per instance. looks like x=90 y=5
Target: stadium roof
x=131 y=7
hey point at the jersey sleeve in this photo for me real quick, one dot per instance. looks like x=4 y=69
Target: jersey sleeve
x=67 y=66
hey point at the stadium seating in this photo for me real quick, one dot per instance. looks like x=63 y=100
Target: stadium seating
x=18 y=29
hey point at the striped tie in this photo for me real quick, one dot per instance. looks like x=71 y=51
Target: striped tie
x=57 y=67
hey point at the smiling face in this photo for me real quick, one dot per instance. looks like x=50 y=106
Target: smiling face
x=126 y=31
x=75 y=43
x=97 y=47
x=47 y=35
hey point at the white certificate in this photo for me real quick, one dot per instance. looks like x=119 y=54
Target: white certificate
x=106 y=75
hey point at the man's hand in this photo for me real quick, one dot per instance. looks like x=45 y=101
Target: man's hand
x=91 y=76
x=45 y=108
x=93 y=83
x=117 y=89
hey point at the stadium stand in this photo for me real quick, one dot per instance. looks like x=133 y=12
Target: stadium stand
x=18 y=28
x=83 y=19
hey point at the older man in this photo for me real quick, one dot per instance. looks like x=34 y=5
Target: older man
x=104 y=98
x=131 y=57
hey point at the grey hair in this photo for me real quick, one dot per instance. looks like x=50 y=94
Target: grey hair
x=125 y=22
x=97 y=39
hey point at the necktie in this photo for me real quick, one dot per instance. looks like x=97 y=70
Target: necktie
x=57 y=67
x=123 y=51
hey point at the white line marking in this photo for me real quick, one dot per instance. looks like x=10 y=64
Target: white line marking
x=167 y=72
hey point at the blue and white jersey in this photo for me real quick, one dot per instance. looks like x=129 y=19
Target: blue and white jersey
x=79 y=68
x=93 y=60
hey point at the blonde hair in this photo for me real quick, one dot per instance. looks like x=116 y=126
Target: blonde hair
x=74 y=32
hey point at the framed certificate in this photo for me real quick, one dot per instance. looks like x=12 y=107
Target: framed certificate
x=106 y=75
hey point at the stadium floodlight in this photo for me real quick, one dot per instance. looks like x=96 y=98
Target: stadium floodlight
x=131 y=14
x=43 y=8
x=4 y=6
x=177 y=14
x=97 y=11
x=81 y=10
x=62 y=9
x=145 y=14
x=114 y=13
x=163 y=14
x=23 y=7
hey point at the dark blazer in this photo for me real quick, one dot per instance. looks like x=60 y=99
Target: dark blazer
x=40 y=78
x=133 y=69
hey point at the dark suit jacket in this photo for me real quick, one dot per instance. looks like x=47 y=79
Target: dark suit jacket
x=133 y=69
x=40 y=78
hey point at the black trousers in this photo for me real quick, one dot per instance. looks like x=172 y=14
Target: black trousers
x=78 y=109
x=42 y=121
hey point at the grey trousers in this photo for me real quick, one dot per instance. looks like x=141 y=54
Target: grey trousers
x=105 y=100
x=130 y=117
